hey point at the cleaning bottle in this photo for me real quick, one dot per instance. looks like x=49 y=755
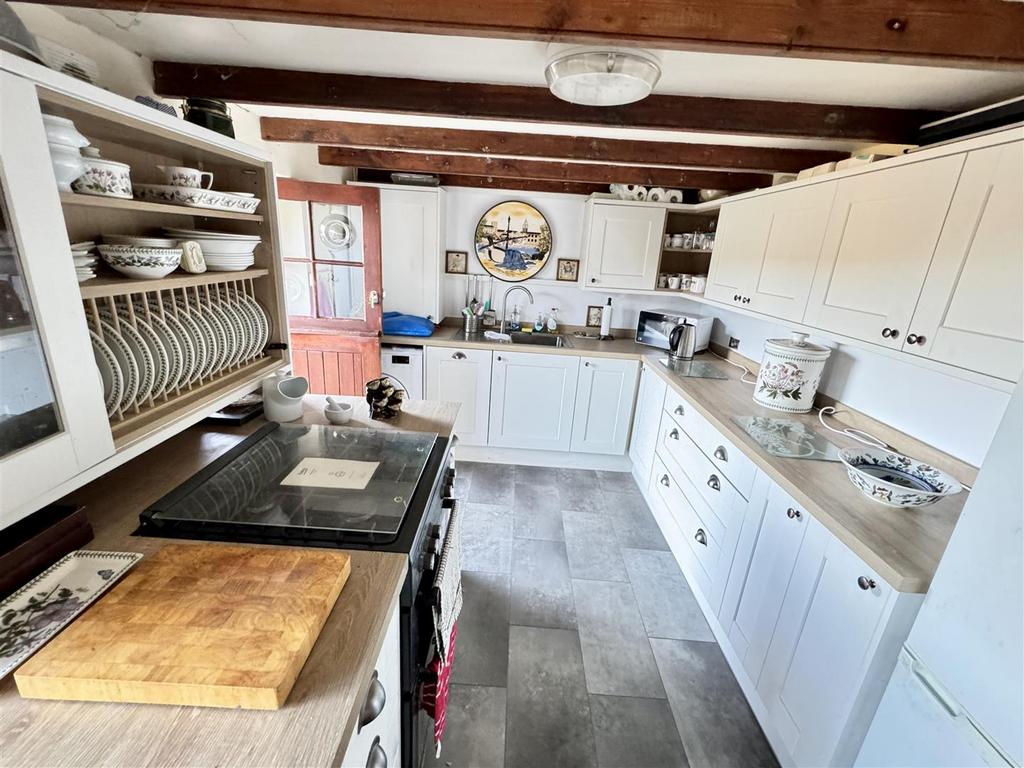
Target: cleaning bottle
x=538 y=326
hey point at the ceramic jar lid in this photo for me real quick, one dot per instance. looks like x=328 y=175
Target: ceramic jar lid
x=798 y=344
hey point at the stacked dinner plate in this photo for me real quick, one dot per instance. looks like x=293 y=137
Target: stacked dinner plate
x=223 y=252
x=163 y=344
x=85 y=262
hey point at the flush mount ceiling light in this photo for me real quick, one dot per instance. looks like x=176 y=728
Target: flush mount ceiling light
x=602 y=78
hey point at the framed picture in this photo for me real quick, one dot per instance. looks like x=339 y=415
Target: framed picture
x=594 y=316
x=456 y=262
x=512 y=241
x=568 y=270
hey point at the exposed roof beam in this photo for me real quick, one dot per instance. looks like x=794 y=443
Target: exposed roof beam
x=533 y=104
x=665 y=153
x=592 y=173
x=494 y=182
x=980 y=33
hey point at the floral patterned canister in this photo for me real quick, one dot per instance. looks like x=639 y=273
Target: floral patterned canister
x=790 y=372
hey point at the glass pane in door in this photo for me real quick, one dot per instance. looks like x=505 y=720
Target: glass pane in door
x=298 y=287
x=337 y=232
x=340 y=291
x=28 y=411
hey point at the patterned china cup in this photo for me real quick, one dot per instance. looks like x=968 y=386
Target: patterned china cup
x=180 y=176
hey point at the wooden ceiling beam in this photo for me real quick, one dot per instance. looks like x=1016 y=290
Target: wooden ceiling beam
x=631 y=152
x=255 y=85
x=493 y=182
x=550 y=170
x=979 y=33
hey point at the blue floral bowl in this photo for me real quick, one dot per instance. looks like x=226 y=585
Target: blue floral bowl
x=896 y=480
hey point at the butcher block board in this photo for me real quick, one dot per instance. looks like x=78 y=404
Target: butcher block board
x=207 y=625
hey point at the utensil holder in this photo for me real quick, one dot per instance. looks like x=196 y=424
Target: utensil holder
x=471 y=325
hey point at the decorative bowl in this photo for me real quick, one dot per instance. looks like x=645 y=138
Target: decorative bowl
x=106 y=178
x=145 y=242
x=896 y=480
x=139 y=262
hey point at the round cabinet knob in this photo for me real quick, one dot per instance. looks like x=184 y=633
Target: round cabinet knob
x=714 y=483
x=679 y=410
x=593 y=279
x=664 y=480
x=890 y=333
x=498 y=358
x=793 y=514
x=720 y=453
x=587 y=364
x=701 y=537
x=459 y=356
x=865 y=583
x=746 y=299
x=735 y=297
x=913 y=338
x=674 y=434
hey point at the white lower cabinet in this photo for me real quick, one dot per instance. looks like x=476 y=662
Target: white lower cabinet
x=533 y=397
x=377 y=737
x=650 y=399
x=462 y=376
x=604 y=403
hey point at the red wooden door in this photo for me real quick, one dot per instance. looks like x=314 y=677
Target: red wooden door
x=335 y=327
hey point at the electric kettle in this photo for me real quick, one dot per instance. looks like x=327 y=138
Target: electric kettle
x=682 y=341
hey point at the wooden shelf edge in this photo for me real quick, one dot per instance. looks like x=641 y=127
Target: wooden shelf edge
x=102 y=287
x=669 y=249
x=119 y=203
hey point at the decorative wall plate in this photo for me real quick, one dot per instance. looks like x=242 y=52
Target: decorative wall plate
x=336 y=231
x=513 y=241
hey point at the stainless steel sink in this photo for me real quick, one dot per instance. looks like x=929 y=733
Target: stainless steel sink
x=539 y=339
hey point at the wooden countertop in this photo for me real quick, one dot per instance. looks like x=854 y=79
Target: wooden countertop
x=621 y=346
x=903 y=545
x=313 y=727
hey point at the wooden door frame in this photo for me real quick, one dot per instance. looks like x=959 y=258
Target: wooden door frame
x=343 y=194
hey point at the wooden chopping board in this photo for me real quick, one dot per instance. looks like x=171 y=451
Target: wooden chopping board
x=208 y=625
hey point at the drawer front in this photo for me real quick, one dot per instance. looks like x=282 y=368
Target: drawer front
x=727 y=458
x=670 y=497
x=707 y=481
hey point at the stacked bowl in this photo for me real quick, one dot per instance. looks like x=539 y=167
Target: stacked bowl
x=64 y=142
x=222 y=252
x=142 y=258
x=85 y=262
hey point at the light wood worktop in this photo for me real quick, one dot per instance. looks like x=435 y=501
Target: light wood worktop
x=313 y=727
x=621 y=346
x=903 y=545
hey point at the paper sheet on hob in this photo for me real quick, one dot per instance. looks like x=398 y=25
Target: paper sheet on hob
x=332 y=473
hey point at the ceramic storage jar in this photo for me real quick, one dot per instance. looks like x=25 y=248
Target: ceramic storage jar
x=790 y=372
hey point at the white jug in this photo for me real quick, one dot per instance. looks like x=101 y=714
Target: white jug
x=282 y=396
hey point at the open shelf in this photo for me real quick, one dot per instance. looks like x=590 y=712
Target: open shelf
x=122 y=204
x=100 y=287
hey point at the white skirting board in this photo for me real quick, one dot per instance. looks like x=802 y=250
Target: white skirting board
x=542 y=458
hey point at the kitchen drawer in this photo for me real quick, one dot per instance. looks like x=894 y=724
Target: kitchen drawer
x=707 y=482
x=727 y=458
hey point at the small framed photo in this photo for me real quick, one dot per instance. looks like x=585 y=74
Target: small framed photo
x=568 y=270
x=594 y=316
x=456 y=262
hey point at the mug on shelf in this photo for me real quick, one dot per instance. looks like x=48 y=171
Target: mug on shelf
x=698 y=283
x=677 y=241
x=686 y=240
x=663 y=280
x=180 y=176
x=674 y=282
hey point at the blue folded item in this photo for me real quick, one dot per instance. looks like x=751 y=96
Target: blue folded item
x=397 y=324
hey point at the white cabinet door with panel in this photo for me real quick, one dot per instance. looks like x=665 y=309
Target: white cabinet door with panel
x=832 y=622
x=767 y=248
x=762 y=585
x=881 y=235
x=646 y=421
x=51 y=396
x=623 y=245
x=462 y=376
x=410 y=249
x=532 y=400
x=970 y=313
x=604 y=404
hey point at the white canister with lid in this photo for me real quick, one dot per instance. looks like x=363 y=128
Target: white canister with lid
x=790 y=372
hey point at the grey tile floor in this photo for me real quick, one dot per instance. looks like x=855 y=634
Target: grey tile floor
x=580 y=643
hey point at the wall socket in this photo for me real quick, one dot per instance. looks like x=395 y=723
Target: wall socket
x=734 y=343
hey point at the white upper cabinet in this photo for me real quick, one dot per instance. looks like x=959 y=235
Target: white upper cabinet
x=767 y=248
x=604 y=405
x=54 y=421
x=410 y=247
x=462 y=376
x=646 y=420
x=532 y=400
x=878 y=246
x=623 y=245
x=970 y=313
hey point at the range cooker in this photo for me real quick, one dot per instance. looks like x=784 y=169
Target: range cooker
x=322 y=486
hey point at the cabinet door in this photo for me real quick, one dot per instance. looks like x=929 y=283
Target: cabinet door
x=878 y=245
x=462 y=376
x=532 y=399
x=778 y=540
x=646 y=423
x=54 y=422
x=970 y=313
x=604 y=405
x=624 y=245
x=824 y=642
x=410 y=251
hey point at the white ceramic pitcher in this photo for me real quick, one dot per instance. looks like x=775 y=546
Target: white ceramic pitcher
x=282 y=396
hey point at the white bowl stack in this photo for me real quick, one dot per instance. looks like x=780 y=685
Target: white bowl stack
x=85 y=261
x=64 y=142
x=222 y=252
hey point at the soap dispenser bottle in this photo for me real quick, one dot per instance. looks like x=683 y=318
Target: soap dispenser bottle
x=553 y=320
